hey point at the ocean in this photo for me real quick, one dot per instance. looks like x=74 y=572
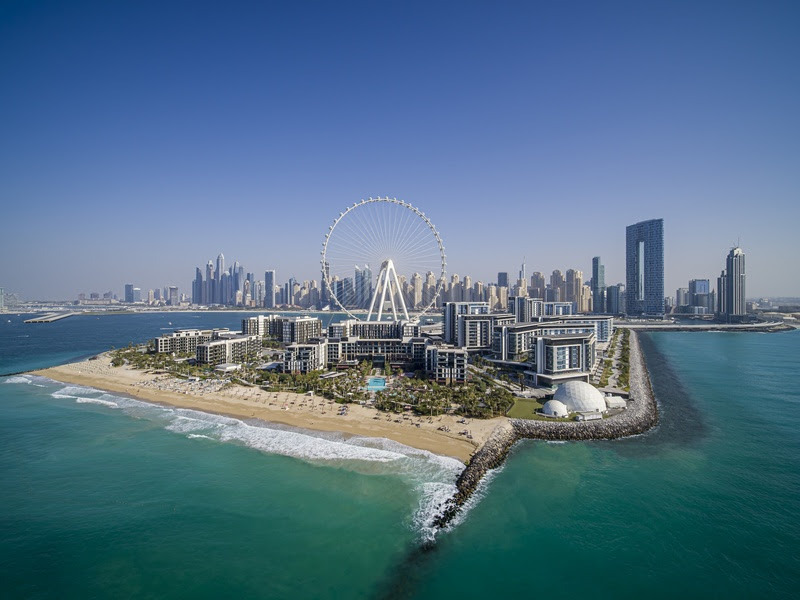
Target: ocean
x=105 y=496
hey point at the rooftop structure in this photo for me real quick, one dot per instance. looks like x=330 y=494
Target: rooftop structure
x=555 y=408
x=579 y=396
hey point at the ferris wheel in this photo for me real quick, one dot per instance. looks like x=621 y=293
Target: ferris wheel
x=382 y=256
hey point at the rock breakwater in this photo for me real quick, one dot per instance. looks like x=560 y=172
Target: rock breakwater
x=640 y=416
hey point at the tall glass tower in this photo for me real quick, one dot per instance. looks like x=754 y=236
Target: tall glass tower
x=644 y=268
x=598 y=286
x=269 y=289
x=730 y=286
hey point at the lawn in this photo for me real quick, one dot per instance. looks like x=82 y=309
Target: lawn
x=524 y=408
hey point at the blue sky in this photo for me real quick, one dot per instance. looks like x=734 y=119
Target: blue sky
x=140 y=139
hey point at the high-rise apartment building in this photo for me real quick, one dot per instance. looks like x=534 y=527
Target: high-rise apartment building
x=644 y=268
x=731 y=286
x=615 y=299
x=363 y=286
x=538 y=285
x=269 y=289
x=573 y=284
x=598 y=286
x=558 y=286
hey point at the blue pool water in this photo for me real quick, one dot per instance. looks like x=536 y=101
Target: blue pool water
x=376 y=384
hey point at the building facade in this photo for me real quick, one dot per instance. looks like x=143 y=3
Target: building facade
x=731 y=286
x=598 y=286
x=644 y=268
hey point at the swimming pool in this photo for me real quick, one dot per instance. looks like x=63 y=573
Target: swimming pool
x=375 y=384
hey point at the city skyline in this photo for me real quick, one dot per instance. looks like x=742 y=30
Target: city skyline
x=248 y=130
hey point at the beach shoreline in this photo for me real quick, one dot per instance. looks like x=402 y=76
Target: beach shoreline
x=285 y=408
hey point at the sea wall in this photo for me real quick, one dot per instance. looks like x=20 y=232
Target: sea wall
x=641 y=415
x=490 y=456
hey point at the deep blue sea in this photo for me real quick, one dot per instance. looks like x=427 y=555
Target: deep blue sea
x=106 y=497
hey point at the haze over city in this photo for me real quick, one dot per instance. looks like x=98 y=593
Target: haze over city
x=140 y=141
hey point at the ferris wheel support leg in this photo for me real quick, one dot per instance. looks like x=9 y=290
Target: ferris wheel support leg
x=374 y=297
x=391 y=298
x=400 y=296
x=382 y=278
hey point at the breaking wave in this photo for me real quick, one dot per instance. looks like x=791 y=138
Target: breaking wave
x=431 y=476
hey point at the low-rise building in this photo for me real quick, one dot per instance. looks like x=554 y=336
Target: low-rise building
x=445 y=364
x=474 y=331
x=228 y=348
x=552 y=351
x=603 y=324
x=184 y=341
x=299 y=330
x=304 y=358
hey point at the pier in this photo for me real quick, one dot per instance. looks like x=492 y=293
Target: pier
x=51 y=317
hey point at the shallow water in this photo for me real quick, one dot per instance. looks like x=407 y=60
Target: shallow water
x=107 y=496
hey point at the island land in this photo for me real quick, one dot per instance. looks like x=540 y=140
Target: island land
x=287 y=408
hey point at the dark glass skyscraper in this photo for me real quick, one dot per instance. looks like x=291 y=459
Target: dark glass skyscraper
x=269 y=289
x=598 y=286
x=644 y=268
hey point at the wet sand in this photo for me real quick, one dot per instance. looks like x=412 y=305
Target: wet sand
x=297 y=410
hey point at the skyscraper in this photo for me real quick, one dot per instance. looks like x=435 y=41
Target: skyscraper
x=416 y=290
x=598 y=286
x=731 y=286
x=208 y=285
x=363 y=286
x=197 y=287
x=558 y=287
x=218 y=292
x=538 y=285
x=644 y=268
x=572 y=285
x=129 y=293
x=615 y=299
x=269 y=289
x=502 y=279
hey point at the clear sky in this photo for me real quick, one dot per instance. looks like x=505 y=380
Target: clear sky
x=140 y=139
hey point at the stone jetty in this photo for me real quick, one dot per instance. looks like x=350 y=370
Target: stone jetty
x=490 y=456
x=640 y=416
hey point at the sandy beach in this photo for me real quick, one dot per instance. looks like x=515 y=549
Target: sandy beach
x=287 y=408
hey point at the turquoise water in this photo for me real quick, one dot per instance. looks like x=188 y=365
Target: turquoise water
x=103 y=496
x=376 y=384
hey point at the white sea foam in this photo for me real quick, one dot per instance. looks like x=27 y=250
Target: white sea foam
x=433 y=496
x=74 y=391
x=478 y=495
x=431 y=476
x=97 y=401
x=18 y=379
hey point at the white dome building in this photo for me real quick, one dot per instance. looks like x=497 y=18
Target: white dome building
x=554 y=408
x=579 y=396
